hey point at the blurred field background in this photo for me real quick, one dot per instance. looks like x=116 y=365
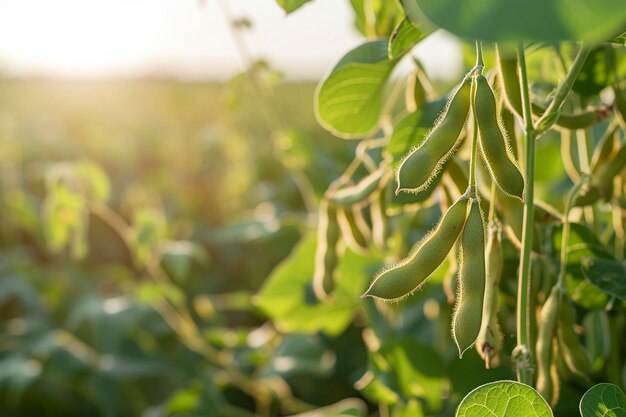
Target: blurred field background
x=138 y=219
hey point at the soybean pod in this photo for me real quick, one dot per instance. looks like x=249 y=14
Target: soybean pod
x=398 y=281
x=354 y=228
x=420 y=166
x=468 y=311
x=489 y=338
x=326 y=258
x=571 y=349
x=493 y=145
x=359 y=192
x=547 y=324
x=597 y=337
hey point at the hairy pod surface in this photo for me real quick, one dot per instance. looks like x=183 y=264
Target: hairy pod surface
x=326 y=258
x=571 y=349
x=468 y=311
x=489 y=339
x=493 y=145
x=354 y=228
x=545 y=336
x=359 y=192
x=402 y=279
x=421 y=165
x=509 y=81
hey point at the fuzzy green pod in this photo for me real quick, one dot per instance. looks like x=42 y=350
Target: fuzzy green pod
x=402 y=279
x=547 y=324
x=326 y=258
x=359 y=192
x=493 y=144
x=509 y=81
x=571 y=349
x=468 y=311
x=420 y=166
x=489 y=339
x=354 y=228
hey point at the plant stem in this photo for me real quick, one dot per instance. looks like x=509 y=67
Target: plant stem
x=524 y=361
x=472 y=167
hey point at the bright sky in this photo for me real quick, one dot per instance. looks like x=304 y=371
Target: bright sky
x=121 y=38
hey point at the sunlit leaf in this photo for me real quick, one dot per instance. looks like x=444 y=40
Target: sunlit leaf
x=603 y=400
x=538 y=20
x=286 y=296
x=404 y=37
x=291 y=5
x=503 y=399
x=349 y=101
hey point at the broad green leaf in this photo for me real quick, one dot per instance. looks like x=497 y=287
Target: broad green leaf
x=503 y=399
x=531 y=20
x=603 y=400
x=286 y=296
x=597 y=73
x=609 y=275
x=412 y=369
x=291 y=5
x=404 y=37
x=582 y=243
x=349 y=101
x=374 y=18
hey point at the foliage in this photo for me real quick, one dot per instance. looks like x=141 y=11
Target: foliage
x=160 y=242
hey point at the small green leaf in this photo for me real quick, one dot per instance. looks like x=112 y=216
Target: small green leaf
x=291 y=5
x=286 y=295
x=404 y=37
x=609 y=275
x=531 y=20
x=503 y=399
x=349 y=101
x=603 y=400
x=597 y=73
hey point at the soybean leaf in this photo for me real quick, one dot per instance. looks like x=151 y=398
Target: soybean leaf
x=411 y=369
x=349 y=101
x=291 y=5
x=375 y=18
x=597 y=73
x=603 y=400
x=404 y=37
x=609 y=275
x=582 y=243
x=531 y=20
x=503 y=399
x=287 y=297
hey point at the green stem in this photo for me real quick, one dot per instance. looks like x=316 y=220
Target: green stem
x=552 y=112
x=524 y=361
x=472 y=166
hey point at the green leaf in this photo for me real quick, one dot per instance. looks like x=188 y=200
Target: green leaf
x=597 y=73
x=349 y=101
x=531 y=20
x=603 y=400
x=404 y=37
x=609 y=275
x=411 y=369
x=291 y=5
x=503 y=399
x=410 y=409
x=286 y=295
x=582 y=243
